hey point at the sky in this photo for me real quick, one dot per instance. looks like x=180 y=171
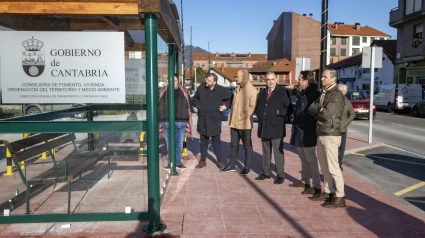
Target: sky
x=242 y=25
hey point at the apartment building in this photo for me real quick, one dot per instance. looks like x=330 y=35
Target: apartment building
x=351 y=72
x=235 y=60
x=409 y=17
x=295 y=36
x=346 y=40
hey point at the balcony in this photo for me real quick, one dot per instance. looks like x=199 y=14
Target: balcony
x=397 y=17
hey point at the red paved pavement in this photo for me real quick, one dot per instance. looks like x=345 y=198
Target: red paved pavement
x=207 y=203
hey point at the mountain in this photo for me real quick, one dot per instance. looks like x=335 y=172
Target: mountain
x=196 y=49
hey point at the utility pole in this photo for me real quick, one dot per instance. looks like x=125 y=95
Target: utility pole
x=209 y=53
x=324 y=39
x=191 y=53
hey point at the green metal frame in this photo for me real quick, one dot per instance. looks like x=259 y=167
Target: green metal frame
x=75 y=217
x=171 y=111
x=151 y=40
x=40 y=124
x=20 y=127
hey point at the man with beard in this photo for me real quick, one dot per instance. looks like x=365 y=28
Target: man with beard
x=209 y=99
x=241 y=122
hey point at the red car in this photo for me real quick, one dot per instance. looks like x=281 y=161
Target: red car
x=360 y=104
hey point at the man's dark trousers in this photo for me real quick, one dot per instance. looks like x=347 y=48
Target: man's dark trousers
x=236 y=135
x=277 y=146
x=341 y=149
x=216 y=144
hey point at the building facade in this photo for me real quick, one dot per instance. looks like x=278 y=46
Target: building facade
x=408 y=17
x=351 y=72
x=234 y=60
x=295 y=36
x=347 y=40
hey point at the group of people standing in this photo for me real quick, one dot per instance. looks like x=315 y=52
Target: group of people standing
x=320 y=124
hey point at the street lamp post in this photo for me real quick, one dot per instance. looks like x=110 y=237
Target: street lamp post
x=209 y=53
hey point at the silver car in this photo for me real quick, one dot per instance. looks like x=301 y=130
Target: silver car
x=418 y=108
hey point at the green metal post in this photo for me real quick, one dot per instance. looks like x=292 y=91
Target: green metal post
x=176 y=65
x=90 y=136
x=151 y=34
x=171 y=110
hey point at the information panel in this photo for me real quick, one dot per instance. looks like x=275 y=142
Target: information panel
x=62 y=67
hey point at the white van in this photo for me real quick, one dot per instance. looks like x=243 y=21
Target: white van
x=397 y=96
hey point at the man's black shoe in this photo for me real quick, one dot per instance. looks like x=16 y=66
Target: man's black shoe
x=320 y=197
x=279 y=180
x=262 y=177
x=245 y=171
x=228 y=168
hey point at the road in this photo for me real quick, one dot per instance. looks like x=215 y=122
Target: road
x=399 y=130
x=396 y=171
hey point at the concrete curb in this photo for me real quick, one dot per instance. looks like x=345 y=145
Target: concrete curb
x=364 y=148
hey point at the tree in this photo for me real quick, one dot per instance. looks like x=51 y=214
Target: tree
x=200 y=74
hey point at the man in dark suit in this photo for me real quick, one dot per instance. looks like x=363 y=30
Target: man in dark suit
x=209 y=99
x=272 y=105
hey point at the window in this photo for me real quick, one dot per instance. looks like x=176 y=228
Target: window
x=364 y=39
x=356 y=40
x=417 y=31
x=355 y=51
x=246 y=65
x=343 y=52
x=333 y=41
x=343 y=41
x=333 y=51
x=197 y=65
x=203 y=65
x=412 y=6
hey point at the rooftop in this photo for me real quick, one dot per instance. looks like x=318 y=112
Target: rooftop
x=347 y=62
x=228 y=72
x=352 y=30
x=280 y=65
x=230 y=56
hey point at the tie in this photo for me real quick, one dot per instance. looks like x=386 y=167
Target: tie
x=268 y=95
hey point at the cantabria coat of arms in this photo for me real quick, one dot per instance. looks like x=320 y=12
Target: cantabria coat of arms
x=33 y=60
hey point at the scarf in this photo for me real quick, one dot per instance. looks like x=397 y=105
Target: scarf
x=324 y=90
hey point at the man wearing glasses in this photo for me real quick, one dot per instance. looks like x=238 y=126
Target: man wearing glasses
x=210 y=100
x=272 y=105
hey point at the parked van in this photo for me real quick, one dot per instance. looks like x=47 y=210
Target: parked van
x=397 y=96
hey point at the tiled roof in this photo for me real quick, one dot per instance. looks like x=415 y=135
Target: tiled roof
x=227 y=72
x=347 y=62
x=350 y=30
x=389 y=47
x=230 y=56
x=280 y=65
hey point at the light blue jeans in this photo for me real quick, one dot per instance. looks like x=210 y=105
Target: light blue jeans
x=180 y=130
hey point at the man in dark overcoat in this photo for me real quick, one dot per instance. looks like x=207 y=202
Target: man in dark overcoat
x=272 y=105
x=211 y=100
x=304 y=135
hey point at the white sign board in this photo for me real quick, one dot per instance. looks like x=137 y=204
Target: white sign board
x=301 y=65
x=62 y=67
x=377 y=57
x=135 y=77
